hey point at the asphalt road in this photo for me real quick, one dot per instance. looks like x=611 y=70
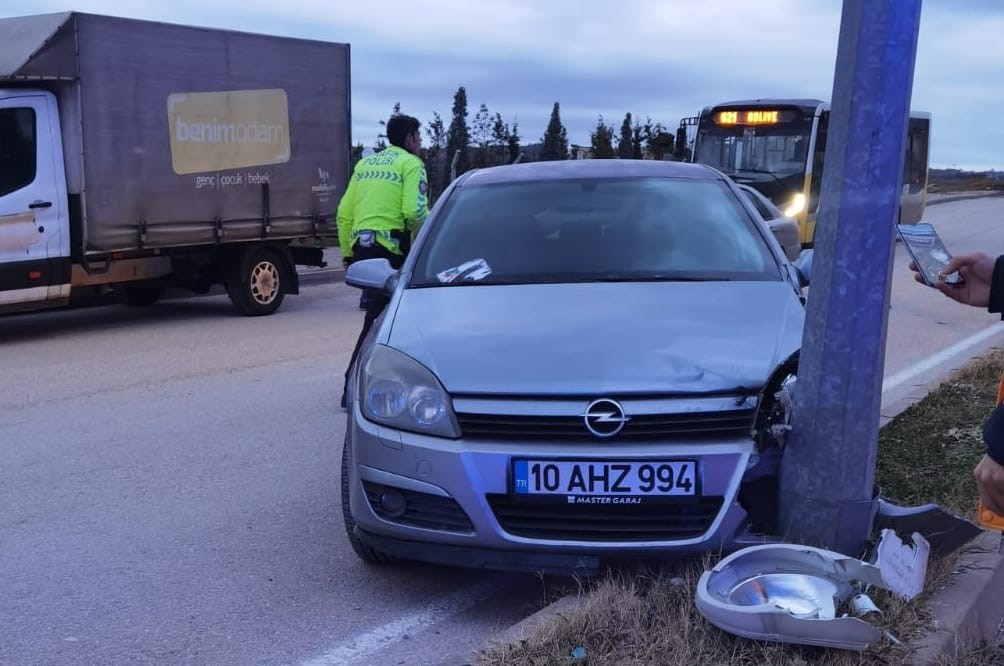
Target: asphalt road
x=169 y=485
x=169 y=495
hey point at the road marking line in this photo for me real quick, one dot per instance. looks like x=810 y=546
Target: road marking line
x=944 y=355
x=364 y=645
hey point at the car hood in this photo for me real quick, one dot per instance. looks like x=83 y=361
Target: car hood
x=599 y=338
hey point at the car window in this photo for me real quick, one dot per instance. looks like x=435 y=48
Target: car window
x=760 y=206
x=593 y=230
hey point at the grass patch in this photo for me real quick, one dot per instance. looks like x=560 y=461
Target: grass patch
x=927 y=453
x=649 y=617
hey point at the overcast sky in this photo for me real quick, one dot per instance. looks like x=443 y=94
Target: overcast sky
x=662 y=59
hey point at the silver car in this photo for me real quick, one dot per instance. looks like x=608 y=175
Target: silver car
x=580 y=361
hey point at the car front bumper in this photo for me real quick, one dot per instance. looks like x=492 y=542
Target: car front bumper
x=459 y=509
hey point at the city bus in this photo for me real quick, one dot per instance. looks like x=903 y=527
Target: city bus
x=778 y=146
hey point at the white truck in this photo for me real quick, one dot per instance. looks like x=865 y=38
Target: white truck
x=138 y=156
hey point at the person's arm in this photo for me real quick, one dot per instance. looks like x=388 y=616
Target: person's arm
x=415 y=196
x=989 y=472
x=993 y=434
x=996 y=297
x=346 y=208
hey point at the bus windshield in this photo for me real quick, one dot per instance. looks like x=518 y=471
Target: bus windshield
x=779 y=150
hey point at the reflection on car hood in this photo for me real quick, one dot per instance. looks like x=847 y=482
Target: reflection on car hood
x=606 y=338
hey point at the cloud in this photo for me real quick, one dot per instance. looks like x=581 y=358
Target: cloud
x=665 y=59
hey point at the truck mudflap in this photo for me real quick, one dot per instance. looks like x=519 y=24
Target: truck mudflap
x=308 y=256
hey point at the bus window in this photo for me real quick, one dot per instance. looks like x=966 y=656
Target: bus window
x=915 y=164
x=775 y=150
x=818 y=157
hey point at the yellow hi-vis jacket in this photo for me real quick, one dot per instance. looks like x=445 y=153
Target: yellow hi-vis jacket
x=388 y=191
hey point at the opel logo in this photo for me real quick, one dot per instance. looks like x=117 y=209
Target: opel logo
x=605 y=417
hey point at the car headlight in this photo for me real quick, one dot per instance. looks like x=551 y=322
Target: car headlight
x=399 y=392
x=795 y=206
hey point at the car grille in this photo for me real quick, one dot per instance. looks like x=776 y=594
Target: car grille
x=692 y=425
x=603 y=522
x=431 y=512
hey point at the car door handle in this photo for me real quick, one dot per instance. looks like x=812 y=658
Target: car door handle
x=40 y=204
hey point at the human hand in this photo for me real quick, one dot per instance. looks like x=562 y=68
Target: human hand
x=990 y=484
x=977 y=271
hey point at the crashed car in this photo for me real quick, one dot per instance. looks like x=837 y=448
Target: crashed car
x=581 y=361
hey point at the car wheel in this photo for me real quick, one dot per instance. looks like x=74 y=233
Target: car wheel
x=256 y=288
x=365 y=553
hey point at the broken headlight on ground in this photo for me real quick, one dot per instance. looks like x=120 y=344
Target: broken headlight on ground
x=799 y=594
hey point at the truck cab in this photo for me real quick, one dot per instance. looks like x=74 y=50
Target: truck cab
x=137 y=156
x=34 y=220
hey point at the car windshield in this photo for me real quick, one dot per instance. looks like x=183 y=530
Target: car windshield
x=637 y=229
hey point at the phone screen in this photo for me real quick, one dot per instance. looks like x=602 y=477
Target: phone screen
x=927 y=251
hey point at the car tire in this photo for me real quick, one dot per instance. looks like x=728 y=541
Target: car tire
x=364 y=552
x=256 y=287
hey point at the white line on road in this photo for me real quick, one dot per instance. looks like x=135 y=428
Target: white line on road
x=944 y=355
x=364 y=645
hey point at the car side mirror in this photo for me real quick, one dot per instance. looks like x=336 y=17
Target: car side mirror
x=803 y=265
x=371 y=274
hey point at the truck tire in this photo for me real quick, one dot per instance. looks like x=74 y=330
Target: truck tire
x=256 y=287
x=143 y=293
x=364 y=552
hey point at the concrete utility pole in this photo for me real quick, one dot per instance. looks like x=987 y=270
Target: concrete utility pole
x=828 y=472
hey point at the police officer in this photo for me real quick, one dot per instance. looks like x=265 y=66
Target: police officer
x=385 y=203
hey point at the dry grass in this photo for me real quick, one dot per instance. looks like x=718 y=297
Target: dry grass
x=646 y=617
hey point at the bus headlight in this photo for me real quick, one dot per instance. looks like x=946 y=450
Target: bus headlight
x=796 y=206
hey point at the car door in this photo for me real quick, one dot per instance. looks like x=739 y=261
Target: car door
x=33 y=243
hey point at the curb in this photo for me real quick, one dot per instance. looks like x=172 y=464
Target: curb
x=518 y=631
x=321 y=275
x=968 y=611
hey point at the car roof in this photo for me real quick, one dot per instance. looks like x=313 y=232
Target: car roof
x=590 y=168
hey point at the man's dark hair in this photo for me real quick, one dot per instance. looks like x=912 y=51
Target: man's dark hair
x=399 y=127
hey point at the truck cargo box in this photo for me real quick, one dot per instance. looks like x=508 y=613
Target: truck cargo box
x=179 y=136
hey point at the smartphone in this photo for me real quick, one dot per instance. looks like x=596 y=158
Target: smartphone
x=927 y=251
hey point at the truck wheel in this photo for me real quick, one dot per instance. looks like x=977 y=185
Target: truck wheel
x=364 y=552
x=142 y=294
x=257 y=288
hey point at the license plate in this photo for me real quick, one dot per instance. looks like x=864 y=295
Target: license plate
x=676 y=478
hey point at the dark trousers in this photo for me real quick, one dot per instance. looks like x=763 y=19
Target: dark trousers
x=375 y=301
